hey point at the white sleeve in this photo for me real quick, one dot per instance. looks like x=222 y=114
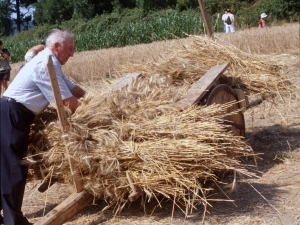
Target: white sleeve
x=44 y=84
x=69 y=83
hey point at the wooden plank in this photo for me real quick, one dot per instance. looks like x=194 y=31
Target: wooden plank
x=57 y=96
x=63 y=120
x=123 y=81
x=67 y=209
x=202 y=86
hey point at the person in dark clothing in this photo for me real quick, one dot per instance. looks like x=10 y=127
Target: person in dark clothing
x=4 y=67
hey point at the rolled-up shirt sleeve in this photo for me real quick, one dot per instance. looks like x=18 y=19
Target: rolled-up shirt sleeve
x=69 y=83
x=44 y=84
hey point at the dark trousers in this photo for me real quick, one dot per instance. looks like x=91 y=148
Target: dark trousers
x=15 y=124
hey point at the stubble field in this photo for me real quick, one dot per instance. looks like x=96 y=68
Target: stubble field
x=272 y=129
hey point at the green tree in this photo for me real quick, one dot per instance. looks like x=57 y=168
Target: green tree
x=280 y=9
x=57 y=11
x=6 y=10
x=52 y=11
x=23 y=16
x=146 y=5
x=187 y=4
x=90 y=8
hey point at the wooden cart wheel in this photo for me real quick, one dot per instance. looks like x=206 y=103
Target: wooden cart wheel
x=221 y=94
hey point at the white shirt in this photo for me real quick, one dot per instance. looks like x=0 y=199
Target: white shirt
x=231 y=16
x=224 y=16
x=32 y=86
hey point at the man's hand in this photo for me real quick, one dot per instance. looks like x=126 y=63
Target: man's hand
x=71 y=103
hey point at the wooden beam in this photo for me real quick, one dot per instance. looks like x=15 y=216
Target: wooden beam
x=205 y=19
x=202 y=86
x=63 y=121
x=76 y=201
x=67 y=209
x=255 y=101
x=57 y=96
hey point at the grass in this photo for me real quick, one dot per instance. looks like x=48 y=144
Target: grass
x=110 y=32
x=272 y=40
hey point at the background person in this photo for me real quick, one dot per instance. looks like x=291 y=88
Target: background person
x=27 y=96
x=262 y=22
x=4 y=67
x=224 y=16
x=34 y=51
x=230 y=22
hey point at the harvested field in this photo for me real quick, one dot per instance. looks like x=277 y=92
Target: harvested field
x=268 y=196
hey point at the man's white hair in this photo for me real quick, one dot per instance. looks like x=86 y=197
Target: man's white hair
x=59 y=36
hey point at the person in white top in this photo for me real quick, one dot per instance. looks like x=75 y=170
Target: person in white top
x=27 y=96
x=230 y=22
x=224 y=16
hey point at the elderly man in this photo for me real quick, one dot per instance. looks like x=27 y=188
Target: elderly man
x=27 y=96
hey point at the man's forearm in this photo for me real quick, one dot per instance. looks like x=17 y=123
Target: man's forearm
x=78 y=92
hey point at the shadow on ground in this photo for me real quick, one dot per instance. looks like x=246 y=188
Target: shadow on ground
x=273 y=143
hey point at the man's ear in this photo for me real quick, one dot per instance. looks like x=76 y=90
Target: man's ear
x=56 y=45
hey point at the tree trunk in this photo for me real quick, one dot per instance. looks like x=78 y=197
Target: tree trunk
x=18 y=21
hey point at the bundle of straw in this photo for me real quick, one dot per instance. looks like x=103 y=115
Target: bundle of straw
x=255 y=74
x=139 y=132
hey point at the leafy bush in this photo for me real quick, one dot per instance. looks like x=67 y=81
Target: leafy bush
x=111 y=30
x=281 y=9
x=277 y=10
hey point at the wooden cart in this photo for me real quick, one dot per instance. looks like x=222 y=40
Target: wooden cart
x=207 y=90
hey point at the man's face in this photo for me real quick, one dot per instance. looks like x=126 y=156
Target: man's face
x=66 y=51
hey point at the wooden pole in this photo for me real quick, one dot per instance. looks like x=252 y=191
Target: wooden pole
x=77 y=201
x=255 y=101
x=63 y=121
x=205 y=19
x=67 y=209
